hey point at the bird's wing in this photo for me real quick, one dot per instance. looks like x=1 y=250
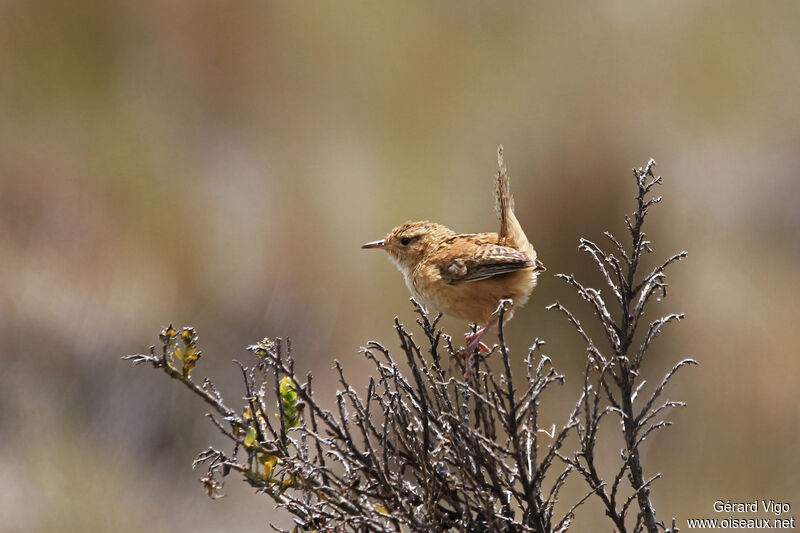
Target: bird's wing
x=482 y=260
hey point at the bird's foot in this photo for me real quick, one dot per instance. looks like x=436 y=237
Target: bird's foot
x=466 y=356
x=474 y=339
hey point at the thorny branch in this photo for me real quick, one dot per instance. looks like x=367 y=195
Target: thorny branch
x=423 y=449
x=612 y=381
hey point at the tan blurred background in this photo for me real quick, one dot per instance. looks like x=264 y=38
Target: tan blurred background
x=219 y=163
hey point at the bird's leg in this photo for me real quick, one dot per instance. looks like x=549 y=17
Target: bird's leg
x=474 y=339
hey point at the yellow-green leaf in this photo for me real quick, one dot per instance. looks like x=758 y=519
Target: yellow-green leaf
x=250 y=437
x=269 y=461
x=289 y=403
x=189 y=359
x=287 y=386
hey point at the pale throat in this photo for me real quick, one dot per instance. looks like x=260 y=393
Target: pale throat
x=407 y=272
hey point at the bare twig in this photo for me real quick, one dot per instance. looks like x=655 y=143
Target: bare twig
x=619 y=268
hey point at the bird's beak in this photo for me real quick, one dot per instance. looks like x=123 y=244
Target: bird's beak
x=375 y=244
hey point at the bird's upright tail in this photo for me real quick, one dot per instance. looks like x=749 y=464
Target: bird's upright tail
x=504 y=202
x=510 y=230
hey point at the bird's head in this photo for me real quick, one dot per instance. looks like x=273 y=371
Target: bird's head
x=408 y=243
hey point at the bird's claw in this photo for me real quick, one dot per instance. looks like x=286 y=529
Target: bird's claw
x=473 y=341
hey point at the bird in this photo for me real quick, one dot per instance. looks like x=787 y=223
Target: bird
x=467 y=275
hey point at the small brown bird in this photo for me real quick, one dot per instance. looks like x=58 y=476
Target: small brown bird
x=466 y=275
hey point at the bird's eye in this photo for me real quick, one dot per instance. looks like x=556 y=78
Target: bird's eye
x=404 y=241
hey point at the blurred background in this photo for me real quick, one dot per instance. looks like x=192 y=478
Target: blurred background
x=219 y=164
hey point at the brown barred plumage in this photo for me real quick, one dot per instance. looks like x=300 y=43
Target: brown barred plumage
x=466 y=275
